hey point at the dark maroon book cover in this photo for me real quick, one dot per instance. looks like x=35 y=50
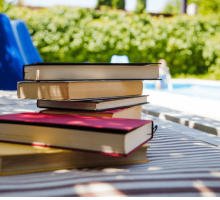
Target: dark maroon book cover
x=112 y=125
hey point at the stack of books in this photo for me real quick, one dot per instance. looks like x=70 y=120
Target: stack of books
x=92 y=117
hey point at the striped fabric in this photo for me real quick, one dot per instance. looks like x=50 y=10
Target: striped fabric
x=179 y=166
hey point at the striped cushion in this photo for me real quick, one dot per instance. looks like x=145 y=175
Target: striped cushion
x=179 y=166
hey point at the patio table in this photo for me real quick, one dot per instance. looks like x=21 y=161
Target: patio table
x=180 y=165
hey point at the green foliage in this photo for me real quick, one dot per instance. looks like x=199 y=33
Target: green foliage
x=1 y=3
x=172 y=7
x=205 y=7
x=4 y=6
x=140 y=6
x=190 y=44
x=104 y=3
x=118 y=4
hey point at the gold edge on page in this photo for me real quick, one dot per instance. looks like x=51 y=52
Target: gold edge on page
x=146 y=145
x=73 y=167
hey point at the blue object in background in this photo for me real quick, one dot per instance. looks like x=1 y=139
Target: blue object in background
x=11 y=61
x=119 y=59
x=163 y=78
x=16 y=49
x=28 y=51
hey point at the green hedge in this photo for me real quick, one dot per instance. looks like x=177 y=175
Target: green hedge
x=190 y=44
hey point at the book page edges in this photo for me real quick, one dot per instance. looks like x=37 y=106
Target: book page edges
x=43 y=90
x=82 y=90
x=85 y=72
x=78 y=90
x=32 y=73
x=73 y=167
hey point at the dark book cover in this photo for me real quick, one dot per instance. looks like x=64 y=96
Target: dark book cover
x=91 y=123
x=69 y=63
x=74 y=121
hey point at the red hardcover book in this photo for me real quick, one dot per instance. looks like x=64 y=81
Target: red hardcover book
x=112 y=136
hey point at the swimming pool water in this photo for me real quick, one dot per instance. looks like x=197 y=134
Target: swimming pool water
x=193 y=90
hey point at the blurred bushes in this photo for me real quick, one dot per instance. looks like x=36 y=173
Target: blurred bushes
x=118 y=4
x=190 y=44
x=5 y=6
x=141 y=6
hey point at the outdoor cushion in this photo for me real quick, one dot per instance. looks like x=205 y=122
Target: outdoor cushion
x=180 y=166
x=28 y=51
x=11 y=61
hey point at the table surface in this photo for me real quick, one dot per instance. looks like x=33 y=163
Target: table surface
x=180 y=165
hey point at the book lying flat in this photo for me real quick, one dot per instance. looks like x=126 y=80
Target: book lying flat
x=128 y=113
x=94 y=104
x=91 y=71
x=17 y=158
x=78 y=90
x=112 y=136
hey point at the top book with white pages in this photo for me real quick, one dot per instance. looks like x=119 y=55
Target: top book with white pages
x=46 y=71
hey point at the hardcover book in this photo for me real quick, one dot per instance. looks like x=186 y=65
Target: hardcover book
x=78 y=90
x=128 y=113
x=17 y=158
x=98 y=104
x=112 y=136
x=91 y=71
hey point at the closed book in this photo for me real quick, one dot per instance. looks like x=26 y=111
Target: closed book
x=94 y=104
x=78 y=90
x=128 y=113
x=112 y=136
x=91 y=71
x=17 y=158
